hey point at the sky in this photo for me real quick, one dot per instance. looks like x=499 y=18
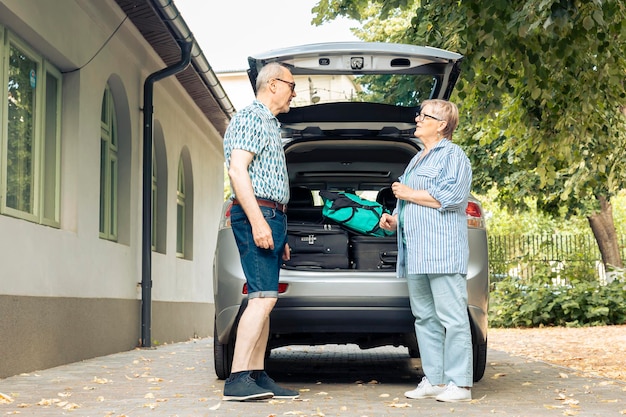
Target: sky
x=228 y=31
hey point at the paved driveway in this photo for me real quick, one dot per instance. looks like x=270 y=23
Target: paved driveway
x=178 y=380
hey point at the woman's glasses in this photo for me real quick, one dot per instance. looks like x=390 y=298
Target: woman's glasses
x=420 y=117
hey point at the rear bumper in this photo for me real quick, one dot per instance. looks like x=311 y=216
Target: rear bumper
x=351 y=315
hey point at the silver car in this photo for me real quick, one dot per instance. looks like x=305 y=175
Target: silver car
x=350 y=129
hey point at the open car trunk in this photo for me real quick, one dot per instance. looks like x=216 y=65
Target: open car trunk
x=365 y=165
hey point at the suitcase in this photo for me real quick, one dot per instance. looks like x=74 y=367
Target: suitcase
x=373 y=253
x=317 y=246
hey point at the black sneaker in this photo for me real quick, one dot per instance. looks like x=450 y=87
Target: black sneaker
x=241 y=387
x=263 y=380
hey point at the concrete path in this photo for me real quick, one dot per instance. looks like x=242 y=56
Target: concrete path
x=179 y=380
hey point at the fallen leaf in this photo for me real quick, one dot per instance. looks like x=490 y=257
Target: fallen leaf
x=100 y=380
x=571 y=401
x=562 y=375
x=319 y=413
x=477 y=400
x=5 y=399
x=552 y=407
x=215 y=407
x=384 y=395
x=71 y=406
x=496 y=376
x=400 y=405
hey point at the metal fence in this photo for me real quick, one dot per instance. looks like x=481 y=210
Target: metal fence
x=555 y=256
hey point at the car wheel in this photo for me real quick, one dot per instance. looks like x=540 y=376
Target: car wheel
x=222 y=355
x=480 y=360
x=411 y=344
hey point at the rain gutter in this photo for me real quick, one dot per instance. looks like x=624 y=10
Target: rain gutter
x=172 y=17
x=146 y=220
x=190 y=53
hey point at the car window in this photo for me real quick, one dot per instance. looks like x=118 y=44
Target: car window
x=399 y=90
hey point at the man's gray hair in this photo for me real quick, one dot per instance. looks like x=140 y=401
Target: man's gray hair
x=267 y=73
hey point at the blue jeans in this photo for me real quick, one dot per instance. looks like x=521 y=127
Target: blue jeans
x=260 y=266
x=439 y=304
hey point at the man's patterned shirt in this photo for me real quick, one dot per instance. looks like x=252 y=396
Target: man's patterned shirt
x=255 y=129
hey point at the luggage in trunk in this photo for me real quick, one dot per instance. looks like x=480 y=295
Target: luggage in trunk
x=317 y=246
x=374 y=253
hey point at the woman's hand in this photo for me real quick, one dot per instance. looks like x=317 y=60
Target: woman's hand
x=421 y=197
x=388 y=222
x=401 y=191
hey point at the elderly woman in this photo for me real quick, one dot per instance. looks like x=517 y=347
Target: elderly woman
x=433 y=253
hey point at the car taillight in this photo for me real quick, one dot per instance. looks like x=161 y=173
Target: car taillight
x=282 y=287
x=474 y=215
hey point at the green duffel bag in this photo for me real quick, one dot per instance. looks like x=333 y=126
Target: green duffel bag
x=354 y=213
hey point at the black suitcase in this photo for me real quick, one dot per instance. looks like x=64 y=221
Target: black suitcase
x=373 y=253
x=322 y=246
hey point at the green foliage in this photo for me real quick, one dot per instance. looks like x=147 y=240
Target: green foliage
x=541 y=92
x=515 y=303
x=528 y=219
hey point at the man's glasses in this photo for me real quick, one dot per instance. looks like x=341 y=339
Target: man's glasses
x=420 y=117
x=292 y=85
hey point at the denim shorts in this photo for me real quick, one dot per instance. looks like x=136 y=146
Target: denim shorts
x=260 y=266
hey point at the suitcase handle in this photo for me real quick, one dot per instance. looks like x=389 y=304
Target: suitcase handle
x=390 y=257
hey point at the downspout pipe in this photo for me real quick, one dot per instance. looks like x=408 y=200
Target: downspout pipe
x=146 y=221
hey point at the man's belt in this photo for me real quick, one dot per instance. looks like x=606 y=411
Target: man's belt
x=267 y=203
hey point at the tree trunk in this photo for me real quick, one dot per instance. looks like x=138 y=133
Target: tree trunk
x=603 y=229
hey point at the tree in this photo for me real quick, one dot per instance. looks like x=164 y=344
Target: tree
x=542 y=94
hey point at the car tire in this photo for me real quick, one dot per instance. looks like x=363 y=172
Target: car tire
x=411 y=344
x=480 y=360
x=222 y=355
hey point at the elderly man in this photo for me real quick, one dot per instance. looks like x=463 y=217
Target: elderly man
x=258 y=175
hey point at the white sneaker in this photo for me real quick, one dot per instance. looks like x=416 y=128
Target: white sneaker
x=454 y=394
x=425 y=390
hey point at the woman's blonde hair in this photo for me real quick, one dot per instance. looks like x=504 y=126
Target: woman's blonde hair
x=447 y=111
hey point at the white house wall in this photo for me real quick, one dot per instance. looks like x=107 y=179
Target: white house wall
x=65 y=293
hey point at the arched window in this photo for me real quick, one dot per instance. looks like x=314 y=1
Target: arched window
x=159 y=190
x=180 y=211
x=155 y=204
x=108 y=168
x=184 y=207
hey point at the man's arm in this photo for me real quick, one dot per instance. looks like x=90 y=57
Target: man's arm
x=242 y=184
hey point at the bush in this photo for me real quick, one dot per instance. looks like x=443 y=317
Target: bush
x=518 y=303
